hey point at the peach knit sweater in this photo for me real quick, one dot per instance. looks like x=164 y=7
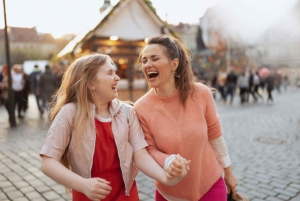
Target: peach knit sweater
x=170 y=129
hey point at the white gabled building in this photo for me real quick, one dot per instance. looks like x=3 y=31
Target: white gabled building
x=120 y=32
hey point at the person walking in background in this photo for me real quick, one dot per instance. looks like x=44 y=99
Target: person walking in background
x=34 y=79
x=26 y=90
x=251 y=87
x=278 y=81
x=213 y=82
x=256 y=84
x=97 y=138
x=1 y=78
x=4 y=87
x=270 y=81
x=18 y=83
x=231 y=81
x=243 y=84
x=179 y=116
x=59 y=74
x=221 y=85
x=46 y=87
x=285 y=82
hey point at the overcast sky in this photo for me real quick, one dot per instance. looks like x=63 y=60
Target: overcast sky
x=72 y=16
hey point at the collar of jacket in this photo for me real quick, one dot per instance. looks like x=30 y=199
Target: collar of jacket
x=114 y=107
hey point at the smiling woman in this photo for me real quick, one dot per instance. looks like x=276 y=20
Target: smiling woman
x=94 y=138
x=182 y=120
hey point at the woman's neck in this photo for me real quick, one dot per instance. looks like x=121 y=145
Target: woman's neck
x=102 y=110
x=165 y=91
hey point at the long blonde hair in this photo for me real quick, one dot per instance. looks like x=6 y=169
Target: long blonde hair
x=74 y=89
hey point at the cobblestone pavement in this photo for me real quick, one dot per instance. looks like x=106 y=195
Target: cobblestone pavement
x=263 y=142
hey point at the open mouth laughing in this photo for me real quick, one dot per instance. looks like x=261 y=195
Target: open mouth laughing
x=114 y=87
x=152 y=75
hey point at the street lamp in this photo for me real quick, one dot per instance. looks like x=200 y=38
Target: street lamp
x=11 y=106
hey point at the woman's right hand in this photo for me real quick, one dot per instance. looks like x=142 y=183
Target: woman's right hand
x=96 y=188
x=178 y=167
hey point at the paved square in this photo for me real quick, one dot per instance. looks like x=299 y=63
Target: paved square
x=263 y=142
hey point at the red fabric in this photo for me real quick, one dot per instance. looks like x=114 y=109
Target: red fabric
x=106 y=165
x=216 y=192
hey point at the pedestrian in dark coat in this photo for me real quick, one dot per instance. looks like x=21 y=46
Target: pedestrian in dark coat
x=270 y=86
x=34 y=78
x=231 y=82
x=26 y=90
x=47 y=86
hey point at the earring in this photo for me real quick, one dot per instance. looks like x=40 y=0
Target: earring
x=176 y=75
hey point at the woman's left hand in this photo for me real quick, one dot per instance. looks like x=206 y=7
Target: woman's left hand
x=230 y=180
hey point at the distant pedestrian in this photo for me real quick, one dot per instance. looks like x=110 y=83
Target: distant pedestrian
x=243 y=85
x=47 y=86
x=214 y=82
x=231 y=81
x=26 y=90
x=285 y=82
x=59 y=74
x=221 y=85
x=95 y=141
x=18 y=83
x=250 y=89
x=278 y=81
x=270 y=86
x=4 y=87
x=1 y=78
x=34 y=78
x=256 y=84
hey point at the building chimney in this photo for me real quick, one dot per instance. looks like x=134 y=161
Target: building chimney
x=106 y=4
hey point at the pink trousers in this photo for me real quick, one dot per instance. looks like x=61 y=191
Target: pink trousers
x=216 y=192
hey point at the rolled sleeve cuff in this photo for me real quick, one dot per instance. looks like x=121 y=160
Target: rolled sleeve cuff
x=140 y=145
x=50 y=152
x=225 y=162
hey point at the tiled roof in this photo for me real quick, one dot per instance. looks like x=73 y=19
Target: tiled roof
x=27 y=35
x=19 y=34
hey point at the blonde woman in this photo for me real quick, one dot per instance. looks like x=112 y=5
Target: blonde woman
x=94 y=138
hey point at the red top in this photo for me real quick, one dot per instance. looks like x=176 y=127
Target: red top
x=106 y=165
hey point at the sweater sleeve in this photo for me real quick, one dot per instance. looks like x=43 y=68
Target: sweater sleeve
x=211 y=116
x=152 y=149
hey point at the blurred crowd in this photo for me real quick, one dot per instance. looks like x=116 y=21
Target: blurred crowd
x=42 y=84
x=250 y=84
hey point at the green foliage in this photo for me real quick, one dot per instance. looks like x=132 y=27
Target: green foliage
x=150 y=5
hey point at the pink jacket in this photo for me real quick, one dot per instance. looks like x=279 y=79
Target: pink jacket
x=129 y=138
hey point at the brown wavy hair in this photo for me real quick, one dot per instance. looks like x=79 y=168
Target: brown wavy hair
x=173 y=48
